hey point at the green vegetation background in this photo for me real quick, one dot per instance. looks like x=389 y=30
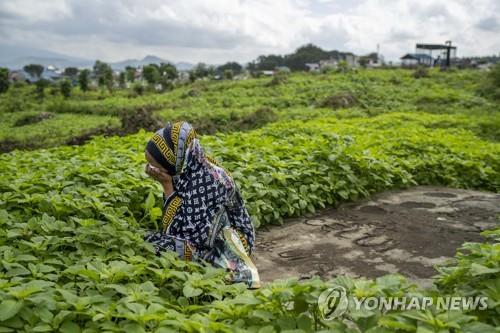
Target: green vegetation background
x=72 y=258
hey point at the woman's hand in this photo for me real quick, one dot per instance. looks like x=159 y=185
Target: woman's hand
x=158 y=174
x=162 y=177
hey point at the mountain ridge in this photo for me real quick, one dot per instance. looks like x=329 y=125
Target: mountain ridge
x=16 y=57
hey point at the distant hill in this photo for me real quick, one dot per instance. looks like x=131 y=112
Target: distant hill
x=15 y=57
x=149 y=59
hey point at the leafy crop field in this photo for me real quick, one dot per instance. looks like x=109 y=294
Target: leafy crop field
x=244 y=105
x=72 y=257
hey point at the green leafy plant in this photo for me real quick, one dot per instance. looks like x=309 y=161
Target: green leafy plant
x=72 y=219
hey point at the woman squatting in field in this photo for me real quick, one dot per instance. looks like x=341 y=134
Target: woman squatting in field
x=204 y=216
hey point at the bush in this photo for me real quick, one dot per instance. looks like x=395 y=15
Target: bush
x=327 y=69
x=19 y=84
x=138 y=88
x=33 y=119
x=228 y=74
x=41 y=85
x=4 y=80
x=342 y=66
x=280 y=77
x=421 y=72
x=133 y=120
x=490 y=86
x=73 y=220
x=65 y=88
x=83 y=80
x=341 y=100
x=15 y=104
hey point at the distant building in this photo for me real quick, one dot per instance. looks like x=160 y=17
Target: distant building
x=322 y=64
x=328 y=63
x=282 y=69
x=425 y=55
x=350 y=58
x=312 y=67
x=483 y=63
x=183 y=76
x=446 y=53
x=51 y=73
x=373 y=60
x=267 y=73
x=486 y=66
x=416 y=59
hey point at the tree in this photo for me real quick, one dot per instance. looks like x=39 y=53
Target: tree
x=251 y=66
x=363 y=61
x=232 y=66
x=269 y=62
x=40 y=87
x=297 y=60
x=192 y=76
x=65 y=88
x=104 y=74
x=342 y=66
x=130 y=73
x=308 y=53
x=168 y=70
x=201 y=70
x=138 y=88
x=108 y=79
x=228 y=74
x=34 y=70
x=168 y=73
x=4 y=80
x=151 y=74
x=122 y=80
x=71 y=71
x=211 y=70
x=83 y=80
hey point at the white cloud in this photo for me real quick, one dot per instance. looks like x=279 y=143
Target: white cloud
x=222 y=30
x=33 y=10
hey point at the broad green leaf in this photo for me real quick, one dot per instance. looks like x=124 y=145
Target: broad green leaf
x=9 y=308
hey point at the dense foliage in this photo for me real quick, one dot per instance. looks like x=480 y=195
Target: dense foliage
x=234 y=105
x=490 y=86
x=297 y=60
x=72 y=256
x=4 y=80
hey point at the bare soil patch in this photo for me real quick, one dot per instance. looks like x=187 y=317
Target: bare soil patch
x=404 y=231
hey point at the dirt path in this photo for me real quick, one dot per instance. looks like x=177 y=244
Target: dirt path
x=395 y=231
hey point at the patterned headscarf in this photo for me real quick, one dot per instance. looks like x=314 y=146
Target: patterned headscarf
x=168 y=146
x=205 y=195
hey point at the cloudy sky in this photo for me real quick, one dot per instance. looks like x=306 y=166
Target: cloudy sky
x=221 y=30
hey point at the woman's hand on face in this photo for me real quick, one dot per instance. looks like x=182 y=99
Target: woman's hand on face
x=158 y=174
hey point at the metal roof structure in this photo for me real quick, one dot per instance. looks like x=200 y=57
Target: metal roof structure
x=416 y=56
x=435 y=47
x=446 y=51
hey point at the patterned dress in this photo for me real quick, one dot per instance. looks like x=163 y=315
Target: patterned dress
x=205 y=218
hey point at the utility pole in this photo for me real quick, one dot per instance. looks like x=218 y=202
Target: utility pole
x=448 y=51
